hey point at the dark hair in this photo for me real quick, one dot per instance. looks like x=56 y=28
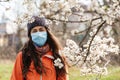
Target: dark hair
x=29 y=54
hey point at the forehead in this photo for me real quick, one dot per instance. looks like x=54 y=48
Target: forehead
x=37 y=27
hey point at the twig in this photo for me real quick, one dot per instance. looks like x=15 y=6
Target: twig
x=92 y=19
x=72 y=21
x=85 y=29
x=84 y=39
x=99 y=27
x=66 y=21
x=88 y=29
x=85 y=36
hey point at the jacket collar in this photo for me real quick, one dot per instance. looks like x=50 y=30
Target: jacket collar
x=49 y=55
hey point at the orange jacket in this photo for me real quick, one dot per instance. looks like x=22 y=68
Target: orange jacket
x=47 y=62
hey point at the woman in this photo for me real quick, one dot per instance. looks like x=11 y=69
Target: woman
x=39 y=59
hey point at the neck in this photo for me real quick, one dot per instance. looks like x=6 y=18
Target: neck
x=43 y=49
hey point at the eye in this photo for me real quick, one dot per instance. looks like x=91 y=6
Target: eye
x=42 y=29
x=34 y=30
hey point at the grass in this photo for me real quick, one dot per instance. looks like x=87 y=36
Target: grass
x=113 y=74
x=74 y=73
x=5 y=70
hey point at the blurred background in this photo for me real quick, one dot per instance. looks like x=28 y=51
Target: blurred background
x=13 y=32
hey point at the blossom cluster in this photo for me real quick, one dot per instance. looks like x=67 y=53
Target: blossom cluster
x=62 y=9
x=71 y=52
x=97 y=59
x=58 y=63
x=110 y=11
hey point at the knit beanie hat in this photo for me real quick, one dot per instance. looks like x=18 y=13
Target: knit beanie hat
x=35 y=21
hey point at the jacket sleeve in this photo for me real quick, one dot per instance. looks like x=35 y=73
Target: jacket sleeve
x=17 y=70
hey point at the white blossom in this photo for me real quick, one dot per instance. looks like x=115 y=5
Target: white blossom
x=58 y=63
x=100 y=48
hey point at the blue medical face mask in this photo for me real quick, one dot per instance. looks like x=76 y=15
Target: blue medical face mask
x=39 y=38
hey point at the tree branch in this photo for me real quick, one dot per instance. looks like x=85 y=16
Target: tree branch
x=88 y=30
x=88 y=27
x=72 y=21
x=99 y=27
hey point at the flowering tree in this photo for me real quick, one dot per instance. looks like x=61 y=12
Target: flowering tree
x=91 y=56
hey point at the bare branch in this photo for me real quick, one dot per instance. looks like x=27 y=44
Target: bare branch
x=67 y=21
x=99 y=27
x=72 y=21
x=88 y=27
x=85 y=36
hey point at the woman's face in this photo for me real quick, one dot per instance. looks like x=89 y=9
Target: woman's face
x=39 y=35
x=38 y=29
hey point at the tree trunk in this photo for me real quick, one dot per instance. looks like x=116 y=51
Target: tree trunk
x=19 y=42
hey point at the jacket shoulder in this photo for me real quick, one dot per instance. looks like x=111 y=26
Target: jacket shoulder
x=19 y=55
